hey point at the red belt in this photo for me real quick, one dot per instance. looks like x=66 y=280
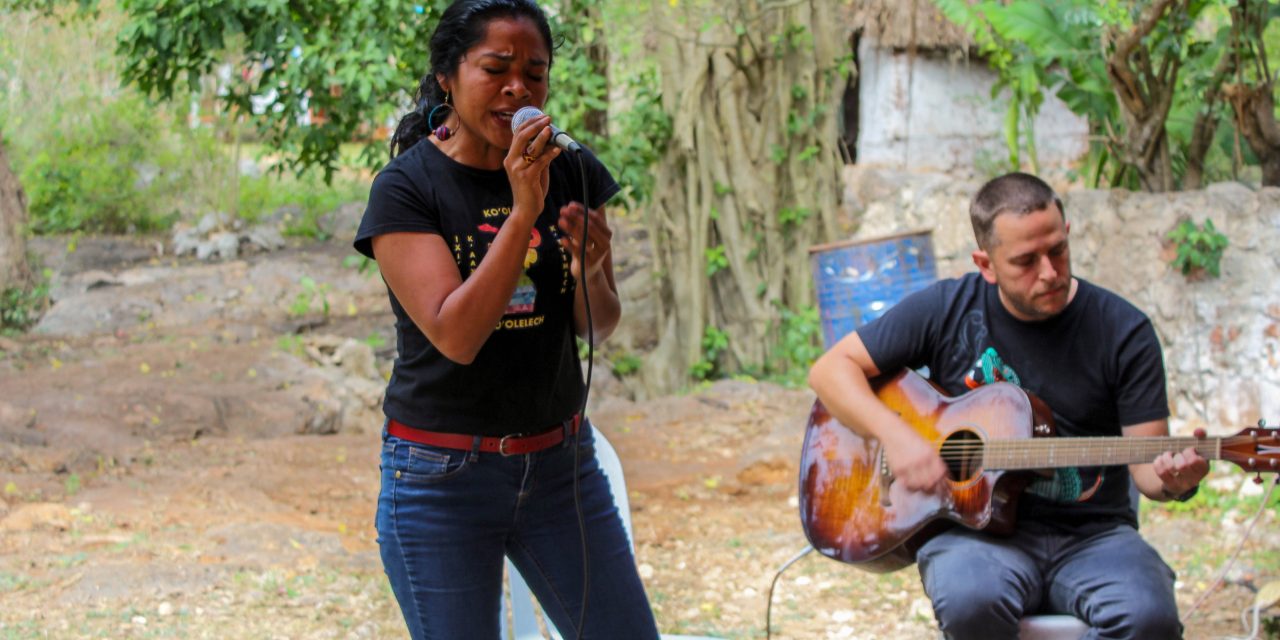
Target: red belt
x=511 y=445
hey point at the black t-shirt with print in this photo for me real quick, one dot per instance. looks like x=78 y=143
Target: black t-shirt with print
x=1098 y=365
x=526 y=377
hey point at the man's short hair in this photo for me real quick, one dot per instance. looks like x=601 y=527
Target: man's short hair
x=1018 y=193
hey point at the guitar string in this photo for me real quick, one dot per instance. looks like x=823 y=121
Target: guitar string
x=1063 y=450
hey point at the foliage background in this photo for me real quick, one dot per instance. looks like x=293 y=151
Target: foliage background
x=98 y=125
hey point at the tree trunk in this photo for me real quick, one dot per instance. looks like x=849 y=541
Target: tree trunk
x=14 y=271
x=1256 y=120
x=1252 y=100
x=1145 y=88
x=750 y=180
x=597 y=120
x=1206 y=123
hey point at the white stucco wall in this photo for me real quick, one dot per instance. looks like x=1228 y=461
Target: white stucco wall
x=938 y=114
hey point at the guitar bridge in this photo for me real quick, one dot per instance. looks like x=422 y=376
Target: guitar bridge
x=886 y=479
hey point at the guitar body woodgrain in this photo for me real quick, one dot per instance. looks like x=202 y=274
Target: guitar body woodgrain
x=853 y=511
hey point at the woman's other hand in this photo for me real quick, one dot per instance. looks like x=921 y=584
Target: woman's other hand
x=599 y=237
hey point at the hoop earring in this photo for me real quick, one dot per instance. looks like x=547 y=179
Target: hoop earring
x=441 y=132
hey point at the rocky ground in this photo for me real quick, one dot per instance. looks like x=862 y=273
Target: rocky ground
x=189 y=450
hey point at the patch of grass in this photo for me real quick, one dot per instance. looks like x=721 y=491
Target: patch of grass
x=302 y=201
x=291 y=344
x=138 y=538
x=311 y=292
x=13 y=582
x=1213 y=503
x=72 y=484
x=362 y=264
x=375 y=340
x=70 y=560
x=24 y=630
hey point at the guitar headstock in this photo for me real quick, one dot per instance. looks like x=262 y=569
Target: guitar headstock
x=1255 y=449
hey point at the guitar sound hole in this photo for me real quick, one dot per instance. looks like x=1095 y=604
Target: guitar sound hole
x=962 y=451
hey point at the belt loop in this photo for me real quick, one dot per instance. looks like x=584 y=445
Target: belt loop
x=566 y=427
x=475 y=450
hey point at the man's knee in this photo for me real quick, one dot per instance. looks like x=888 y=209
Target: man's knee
x=1141 y=619
x=976 y=613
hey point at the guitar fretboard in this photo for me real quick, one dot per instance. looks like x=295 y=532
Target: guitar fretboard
x=1051 y=453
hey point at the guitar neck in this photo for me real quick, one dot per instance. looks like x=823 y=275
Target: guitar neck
x=1051 y=453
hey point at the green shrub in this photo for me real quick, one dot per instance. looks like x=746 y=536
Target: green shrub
x=714 y=343
x=21 y=307
x=101 y=167
x=799 y=344
x=1199 y=247
x=626 y=364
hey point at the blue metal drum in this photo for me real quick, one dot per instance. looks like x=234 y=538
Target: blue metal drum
x=856 y=281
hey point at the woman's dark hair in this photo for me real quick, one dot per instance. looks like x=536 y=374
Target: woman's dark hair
x=461 y=27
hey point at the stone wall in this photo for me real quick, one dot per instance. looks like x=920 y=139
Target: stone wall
x=1221 y=336
x=932 y=112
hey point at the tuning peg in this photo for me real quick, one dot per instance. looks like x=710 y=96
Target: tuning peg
x=1257 y=479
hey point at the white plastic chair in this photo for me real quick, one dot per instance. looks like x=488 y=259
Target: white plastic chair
x=1051 y=627
x=524 y=621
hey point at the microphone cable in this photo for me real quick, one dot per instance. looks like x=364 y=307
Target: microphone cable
x=768 y=607
x=517 y=119
x=586 y=389
x=1230 y=562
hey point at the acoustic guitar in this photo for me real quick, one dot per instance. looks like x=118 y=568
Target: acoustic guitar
x=993 y=440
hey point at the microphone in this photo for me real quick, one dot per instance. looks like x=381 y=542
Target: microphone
x=560 y=138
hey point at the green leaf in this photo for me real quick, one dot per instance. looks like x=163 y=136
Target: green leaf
x=1032 y=23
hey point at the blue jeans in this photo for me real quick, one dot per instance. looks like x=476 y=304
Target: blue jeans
x=1113 y=580
x=447 y=517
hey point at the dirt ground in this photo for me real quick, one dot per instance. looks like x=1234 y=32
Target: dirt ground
x=186 y=452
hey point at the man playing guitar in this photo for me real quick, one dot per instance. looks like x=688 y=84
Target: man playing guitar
x=1094 y=359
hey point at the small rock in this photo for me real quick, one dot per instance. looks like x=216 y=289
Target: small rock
x=356 y=358
x=249 y=168
x=186 y=241
x=921 y=609
x=1222 y=483
x=265 y=238
x=40 y=515
x=1249 y=488
x=226 y=244
x=212 y=220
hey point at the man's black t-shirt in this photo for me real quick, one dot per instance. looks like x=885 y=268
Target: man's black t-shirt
x=1098 y=366
x=526 y=377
